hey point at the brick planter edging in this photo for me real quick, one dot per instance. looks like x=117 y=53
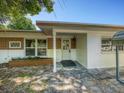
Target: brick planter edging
x=30 y=62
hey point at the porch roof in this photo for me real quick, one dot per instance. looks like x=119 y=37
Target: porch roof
x=82 y=26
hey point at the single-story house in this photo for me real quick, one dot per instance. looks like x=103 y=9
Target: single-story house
x=89 y=44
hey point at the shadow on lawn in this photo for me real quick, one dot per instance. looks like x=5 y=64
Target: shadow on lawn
x=39 y=80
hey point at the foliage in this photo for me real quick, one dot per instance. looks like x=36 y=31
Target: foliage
x=11 y=8
x=24 y=75
x=2 y=26
x=21 y=23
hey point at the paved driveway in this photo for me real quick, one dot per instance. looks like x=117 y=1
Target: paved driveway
x=41 y=79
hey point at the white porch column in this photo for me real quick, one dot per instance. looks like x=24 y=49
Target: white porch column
x=54 y=51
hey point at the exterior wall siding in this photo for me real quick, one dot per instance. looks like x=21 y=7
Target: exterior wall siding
x=95 y=57
x=93 y=50
x=90 y=55
x=73 y=43
x=59 y=54
x=4 y=43
x=50 y=43
x=7 y=54
x=82 y=49
x=58 y=43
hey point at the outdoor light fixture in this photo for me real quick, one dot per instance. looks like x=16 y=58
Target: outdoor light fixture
x=74 y=38
x=118 y=39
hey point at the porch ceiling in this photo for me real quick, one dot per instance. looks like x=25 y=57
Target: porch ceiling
x=49 y=31
x=68 y=34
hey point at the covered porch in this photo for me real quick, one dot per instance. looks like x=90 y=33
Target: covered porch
x=73 y=47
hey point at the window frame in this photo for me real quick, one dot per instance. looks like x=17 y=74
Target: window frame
x=29 y=48
x=112 y=47
x=109 y=44
x=36 y=46
x=46 y=47
x=20 y=44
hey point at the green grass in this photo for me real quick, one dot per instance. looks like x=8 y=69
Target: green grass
x=24 y=75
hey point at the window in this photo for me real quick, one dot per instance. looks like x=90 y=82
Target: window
x=14 y=44
x=41 y=47
x=107 y=46
x=30 y=47
x=36 y=47
x=30 y=43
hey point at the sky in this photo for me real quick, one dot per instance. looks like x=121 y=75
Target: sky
x=85 y=11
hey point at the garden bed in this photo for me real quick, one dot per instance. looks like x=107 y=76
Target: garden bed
x=30 y=62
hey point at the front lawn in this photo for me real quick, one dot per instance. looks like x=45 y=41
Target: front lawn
x=41 y=79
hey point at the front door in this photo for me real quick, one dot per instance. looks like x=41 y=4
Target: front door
x=66 y=49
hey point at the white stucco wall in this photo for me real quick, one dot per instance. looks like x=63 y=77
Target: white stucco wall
x=74 y=54
x=93 y=50
x=82 y=49
x=95 y=57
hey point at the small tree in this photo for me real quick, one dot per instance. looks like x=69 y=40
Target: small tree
x=11 y=8
x=21 y=23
